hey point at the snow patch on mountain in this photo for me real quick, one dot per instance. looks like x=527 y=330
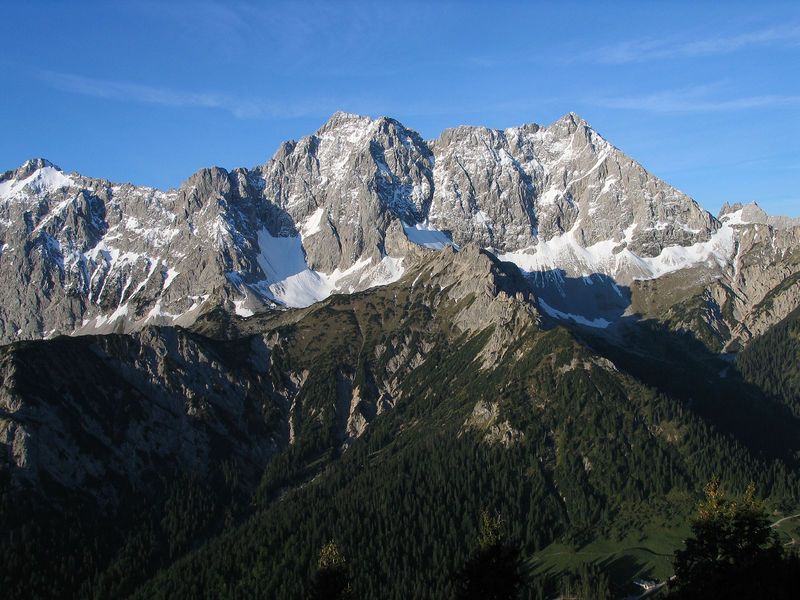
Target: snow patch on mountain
x=613 y=258
x=387 y=271
x=240 y=309
x=291 y=283
x=734 y=218
x=598 y=322
x=121 y=311
x=41 y=181
x=718 y=250
x=171 y=275
x=157 y=312
x=312 y=224
x=299 y=290
x=425 y=234
x=280 y=257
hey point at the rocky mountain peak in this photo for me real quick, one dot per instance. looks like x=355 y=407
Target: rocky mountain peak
x=27 y=169
x=340 y=121
x=752 y=213
x=208 y=182
x=571 y=122
x=727 y=209
x=35 y=177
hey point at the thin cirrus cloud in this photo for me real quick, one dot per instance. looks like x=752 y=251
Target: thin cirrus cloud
x=648 y=49
x=239 y=107
x=695 y=100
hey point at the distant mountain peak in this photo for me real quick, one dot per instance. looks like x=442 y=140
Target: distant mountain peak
x=574 y=118
x=27 y=169
x=38 y=176
x=344 y=119
x=739 y=214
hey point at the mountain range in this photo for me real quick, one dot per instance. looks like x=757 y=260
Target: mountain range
x=349 y=208
x=186 y=363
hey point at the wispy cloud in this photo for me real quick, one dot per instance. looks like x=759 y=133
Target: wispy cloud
x=695 y=100
x=224 y=27
x=649 y=49
x=255 y=108
x=240 y=107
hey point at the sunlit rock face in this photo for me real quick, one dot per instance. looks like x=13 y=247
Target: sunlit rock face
x=355 y=205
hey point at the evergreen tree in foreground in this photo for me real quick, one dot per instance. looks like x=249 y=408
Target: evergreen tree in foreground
x=494 y=571
x=733 y=552
x=332 y=580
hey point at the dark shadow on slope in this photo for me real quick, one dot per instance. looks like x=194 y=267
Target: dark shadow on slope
x=596 y=309
x=680 y=366
x=624 y=567
x=595 y=300
x=277 y=255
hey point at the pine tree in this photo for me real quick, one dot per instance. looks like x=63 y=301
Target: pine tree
x=332 y=580
x=733 y=552
x=494 y=572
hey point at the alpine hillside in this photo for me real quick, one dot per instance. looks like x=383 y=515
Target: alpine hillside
x=377 y=339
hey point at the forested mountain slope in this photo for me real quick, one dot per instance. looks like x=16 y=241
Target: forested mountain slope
x=386 y=420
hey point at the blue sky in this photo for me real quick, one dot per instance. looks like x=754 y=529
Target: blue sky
x=705 y=96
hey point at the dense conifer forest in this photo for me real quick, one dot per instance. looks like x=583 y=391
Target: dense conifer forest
x=589 y=438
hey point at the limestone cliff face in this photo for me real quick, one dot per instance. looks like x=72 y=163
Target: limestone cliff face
x=346 y=184
x=515 y=188
x=765 y=272
x=341 y=210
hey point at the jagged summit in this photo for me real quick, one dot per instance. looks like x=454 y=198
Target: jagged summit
x=341 y=119
x=727 y=209
x=37 y=176
x=570 y=121
x=341 y=116
x=751 y=212
x=27 y=168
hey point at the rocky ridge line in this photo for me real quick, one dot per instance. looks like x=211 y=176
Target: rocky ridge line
x=352 y=206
